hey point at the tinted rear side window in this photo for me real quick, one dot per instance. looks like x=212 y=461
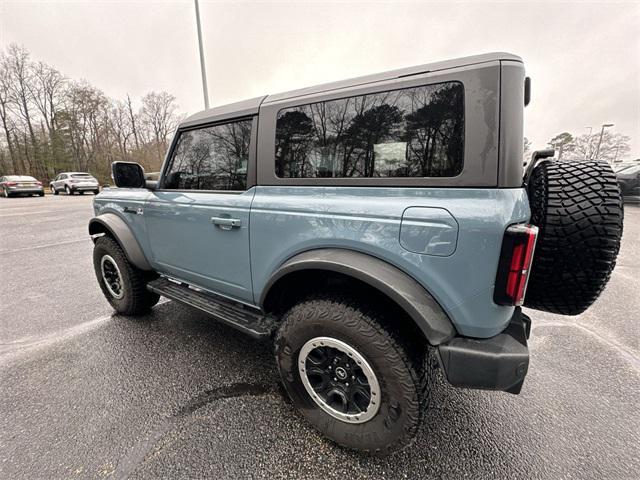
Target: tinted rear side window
x=211 y=158
x=414 y=132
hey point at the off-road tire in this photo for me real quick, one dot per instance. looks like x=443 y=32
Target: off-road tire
x=400 y=367
x=136 y=299
x=578 y=209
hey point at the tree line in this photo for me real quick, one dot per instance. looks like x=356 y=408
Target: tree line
x=612 y=147
x=50 y=123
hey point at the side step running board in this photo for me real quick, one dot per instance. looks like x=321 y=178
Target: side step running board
x=245 y=319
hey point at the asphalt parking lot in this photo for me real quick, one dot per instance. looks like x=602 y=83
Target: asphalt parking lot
x=89 y=394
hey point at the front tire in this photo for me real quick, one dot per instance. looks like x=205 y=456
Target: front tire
x=123 y=285
x=381 y=411
x=68 y=190
x=54 y=191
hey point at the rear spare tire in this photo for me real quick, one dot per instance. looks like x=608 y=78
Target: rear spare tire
x=578 y=209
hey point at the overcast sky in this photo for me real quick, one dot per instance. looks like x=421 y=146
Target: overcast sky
x=584 y=58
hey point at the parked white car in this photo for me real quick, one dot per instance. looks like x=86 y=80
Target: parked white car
x=72 y=182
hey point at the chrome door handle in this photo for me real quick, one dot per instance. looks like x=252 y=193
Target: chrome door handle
x=226 y=223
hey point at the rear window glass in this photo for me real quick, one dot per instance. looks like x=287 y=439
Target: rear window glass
x=19 y=178
x=413 y=132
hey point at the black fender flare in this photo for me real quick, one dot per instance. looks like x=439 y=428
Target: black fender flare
x=116 y=227
x=401 y=288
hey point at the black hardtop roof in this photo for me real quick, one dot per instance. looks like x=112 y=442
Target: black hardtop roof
x=251 y=106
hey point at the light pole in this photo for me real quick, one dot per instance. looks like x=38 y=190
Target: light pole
x=589 y=142
x=605 y=125
x=205 y=90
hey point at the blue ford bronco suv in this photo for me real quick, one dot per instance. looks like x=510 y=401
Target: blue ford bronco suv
x=374 y=229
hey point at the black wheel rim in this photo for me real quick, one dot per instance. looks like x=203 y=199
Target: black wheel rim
x=339 y=379
x=111 y=276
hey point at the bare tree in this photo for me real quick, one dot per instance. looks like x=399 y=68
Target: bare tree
x=158 y=113
x=20 y=78
x=132 y=118
x=614 y=146
x=7 y=122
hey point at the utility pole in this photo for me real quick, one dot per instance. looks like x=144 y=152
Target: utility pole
x=205 y=90
x=604 y=125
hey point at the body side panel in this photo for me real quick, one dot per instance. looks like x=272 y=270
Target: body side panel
x=118 y=207
x=286 y=221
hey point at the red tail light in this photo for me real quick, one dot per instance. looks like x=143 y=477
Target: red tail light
x=518 y=245
x=39 y=183
x=12 y=184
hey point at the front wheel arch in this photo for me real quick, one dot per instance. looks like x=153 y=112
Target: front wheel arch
x=112 y=225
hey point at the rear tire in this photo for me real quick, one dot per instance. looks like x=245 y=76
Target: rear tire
x=123 y=285
x=400 y=372
x=578 y=209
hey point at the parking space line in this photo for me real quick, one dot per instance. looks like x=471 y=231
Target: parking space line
x=38 y=212
x=21 y=346
x=46 y=245
x=25 y=345
x=624 y=351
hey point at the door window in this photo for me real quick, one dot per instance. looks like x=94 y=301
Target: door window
x=211 y=158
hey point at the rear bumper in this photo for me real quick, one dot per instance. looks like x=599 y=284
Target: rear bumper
x=496 y=363
x=25 y=189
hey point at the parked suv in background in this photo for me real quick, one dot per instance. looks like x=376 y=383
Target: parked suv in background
x=72 y=182
x=376 y=229
x=20 y=185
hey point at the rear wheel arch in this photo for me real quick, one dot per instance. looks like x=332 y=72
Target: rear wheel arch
x=368 y=275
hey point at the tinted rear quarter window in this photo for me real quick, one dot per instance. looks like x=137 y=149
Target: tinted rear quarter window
x=413 y=132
